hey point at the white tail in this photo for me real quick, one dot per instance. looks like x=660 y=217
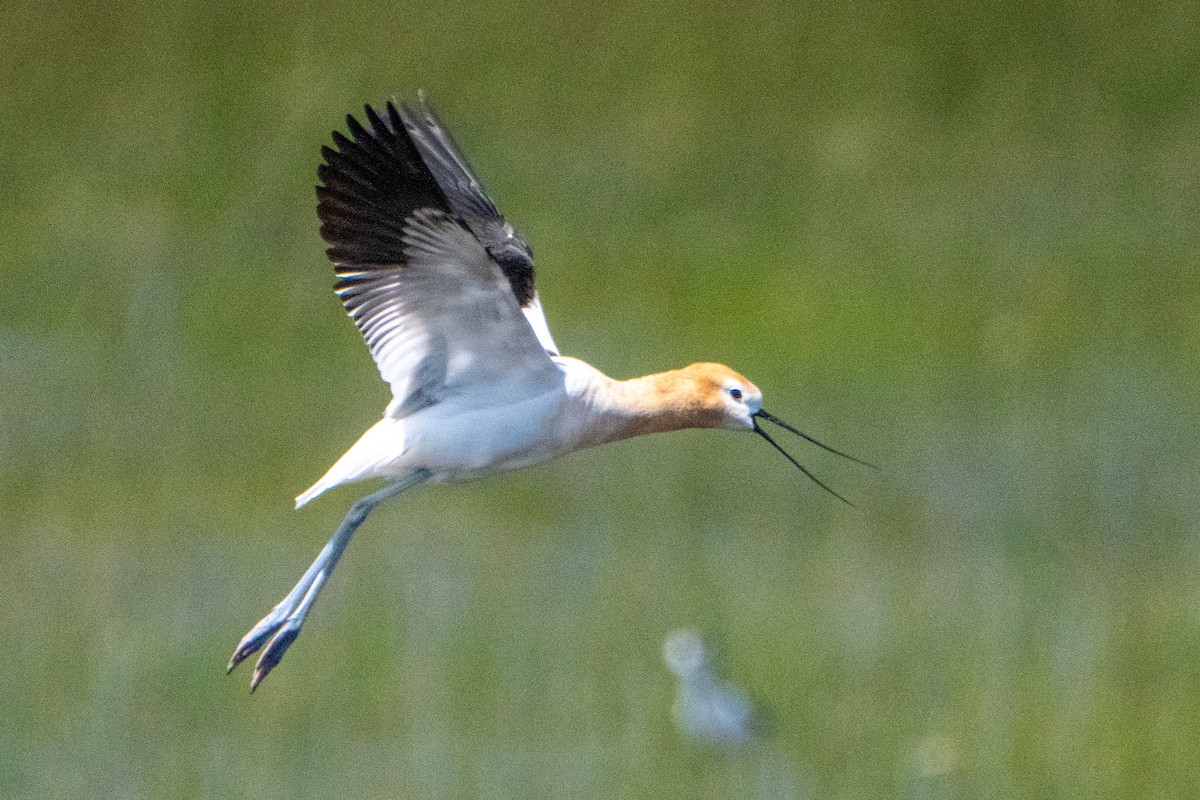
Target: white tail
x=378 y=451
x=313 y=492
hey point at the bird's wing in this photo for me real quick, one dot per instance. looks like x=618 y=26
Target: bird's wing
x=468 y=200
x=438 y=310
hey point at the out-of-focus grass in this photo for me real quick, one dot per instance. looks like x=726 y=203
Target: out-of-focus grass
x=959 y=243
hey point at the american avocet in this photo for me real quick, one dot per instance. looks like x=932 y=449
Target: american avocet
x=441 y=287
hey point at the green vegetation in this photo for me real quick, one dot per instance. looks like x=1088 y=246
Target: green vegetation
x=963 y=244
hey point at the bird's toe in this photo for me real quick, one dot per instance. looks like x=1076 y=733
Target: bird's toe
x=257 y=637
x=274 y=652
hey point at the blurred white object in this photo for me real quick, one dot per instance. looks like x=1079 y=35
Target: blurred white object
x=707 y=709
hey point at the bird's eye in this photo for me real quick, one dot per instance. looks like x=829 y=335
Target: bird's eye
x=736 y=394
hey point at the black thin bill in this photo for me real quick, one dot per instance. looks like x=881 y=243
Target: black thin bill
x=771 y=418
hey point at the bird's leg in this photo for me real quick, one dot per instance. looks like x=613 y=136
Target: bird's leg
x=282 y=625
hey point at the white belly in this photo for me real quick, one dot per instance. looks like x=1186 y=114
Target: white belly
x=460 y=444
x=461 y=439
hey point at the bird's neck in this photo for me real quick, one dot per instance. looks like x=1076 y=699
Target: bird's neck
x=657 y=403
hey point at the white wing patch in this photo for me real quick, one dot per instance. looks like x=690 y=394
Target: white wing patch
x=537 y=320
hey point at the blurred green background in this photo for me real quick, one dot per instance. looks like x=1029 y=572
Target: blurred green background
x=960 y=243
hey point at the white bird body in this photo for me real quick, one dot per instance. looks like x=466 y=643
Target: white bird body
x=441 y=288
x=468 y=437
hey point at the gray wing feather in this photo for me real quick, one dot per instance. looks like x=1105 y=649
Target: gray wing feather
x=468 y=199
x=445 y=322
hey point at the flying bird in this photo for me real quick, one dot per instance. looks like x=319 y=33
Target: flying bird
x=442 y=289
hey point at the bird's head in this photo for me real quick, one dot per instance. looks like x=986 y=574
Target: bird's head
x=726 y=399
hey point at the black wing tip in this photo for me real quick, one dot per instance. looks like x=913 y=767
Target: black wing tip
x=379 y=144
x=372 y=179
x=402 y=160
x=356 y=128
x=394 y=117
x=380 y=122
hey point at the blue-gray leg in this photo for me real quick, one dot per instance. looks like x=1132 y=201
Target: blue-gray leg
x=282 y=625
